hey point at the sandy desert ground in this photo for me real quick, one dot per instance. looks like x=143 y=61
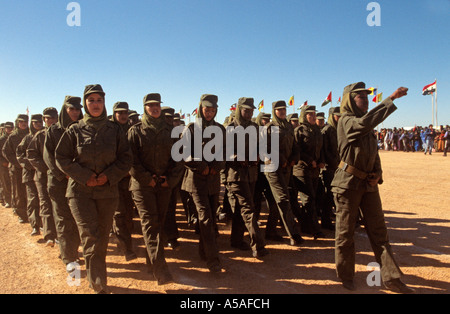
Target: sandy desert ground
x=416 y=203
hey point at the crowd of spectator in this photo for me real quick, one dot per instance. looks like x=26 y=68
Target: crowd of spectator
x=418 y=139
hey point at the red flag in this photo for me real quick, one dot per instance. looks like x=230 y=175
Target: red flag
x=327 y=100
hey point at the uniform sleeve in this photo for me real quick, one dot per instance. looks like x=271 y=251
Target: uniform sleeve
x=35 y=153
x=21 y=153
x=119 y=169
x=9 y=152
x=138 y=171
x=50 y=144
x=65 y=155
x=357 y=127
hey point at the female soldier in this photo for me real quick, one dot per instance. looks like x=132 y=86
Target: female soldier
x=95 y=154
x=308 y=139
x=18 y=190
x=66 y=227
x=153 y=175
x=355 y=185
x=279 y=178
x=202 y=180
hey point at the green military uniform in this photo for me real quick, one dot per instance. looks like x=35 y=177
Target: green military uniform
x=241 y=176
x=4 y=172
x=123 y=217
x=331 y=158
x=35 y=153
x=360 y=161
x=279 y=179
x=66 y=227
x=308 y=140
x=87 y=150
x=18 y=189
x=151 y=145
x=205 y=188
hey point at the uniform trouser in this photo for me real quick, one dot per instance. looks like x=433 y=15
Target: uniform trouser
x=206 y=210
x=18 y=193
x=170 y=224
x=348 y=205
x=66 y=227
x=241 y=201
x=279 y=182
x=6 y=184
x=307 y=187
x=123 y=217
x=46 y=209
x=263 y=187
x=328 y=202
x=33 y=214
x=152 y=207
x=189 y=206
x=94 y=220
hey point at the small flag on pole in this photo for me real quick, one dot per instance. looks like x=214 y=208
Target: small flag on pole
x=233 y=107
x=194 y=113
x=339 y=101
x=327 y=100
x=291 y=101
x=304 y=104
x=378 y=98
x=261 y=105
x=429 y=89
x=373 y=91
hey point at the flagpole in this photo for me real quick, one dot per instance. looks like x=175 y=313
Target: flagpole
x=435 y=104
x=432 y=110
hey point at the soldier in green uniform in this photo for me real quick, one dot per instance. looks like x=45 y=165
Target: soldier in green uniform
x=4 y=163
x=18 y=189
x=95 y=154
x=331 y=158
x=241 y=175
x=355 y=185
x=35 y=155
x=66 y=227
x=154 y=173
x=123 y=217
x=279 y=179
x=202 y=181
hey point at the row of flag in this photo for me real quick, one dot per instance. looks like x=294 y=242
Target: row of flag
x=378 y=97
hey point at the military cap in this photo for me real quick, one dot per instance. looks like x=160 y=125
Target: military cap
x=266 y=116
x=279 y=104
x=246 y=102
x=320 y=115
x=2 y=125
x=9 y=125
x=168 y=111
x=292 y=117
x=133 y=113
x=153 y=98
x=176 y=116
x=120 y=106
x=36 y=117
x=22 y=117
x=209 y=100
x=50 y=112
x=309 y=108
x=336 y=111
x=356 y=87
x=73 y=102
x=94 y=89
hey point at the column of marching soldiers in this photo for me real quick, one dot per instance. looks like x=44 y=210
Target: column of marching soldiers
x=34 y=186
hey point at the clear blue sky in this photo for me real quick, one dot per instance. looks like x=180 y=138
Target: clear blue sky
x=182 y=49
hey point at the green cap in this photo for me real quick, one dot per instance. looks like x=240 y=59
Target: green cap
x=133 y=113
x=335 y=111
x=246 y=102
x=153 y=98
x=356 y=87
x=279 y=104
x=168 y=111
x=292 y=117
x=209 y=100
x=22 y=117
x=309 y=108
x=9 y=125
x=50 y=112
x=176 y=116
x=94 y=89
x=36 y=118
x=120 y=106
x=73 y=102
x=320 y=115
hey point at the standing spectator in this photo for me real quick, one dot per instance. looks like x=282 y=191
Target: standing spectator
x=429 y=136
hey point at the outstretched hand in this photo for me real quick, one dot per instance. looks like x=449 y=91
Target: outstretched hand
x=400 y=92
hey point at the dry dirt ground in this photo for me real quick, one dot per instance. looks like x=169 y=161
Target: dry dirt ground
x=416 y=203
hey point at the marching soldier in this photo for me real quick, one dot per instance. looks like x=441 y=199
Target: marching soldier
x=355 y=185
x=241 y=176
x=95 y=154
x=66 y=227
